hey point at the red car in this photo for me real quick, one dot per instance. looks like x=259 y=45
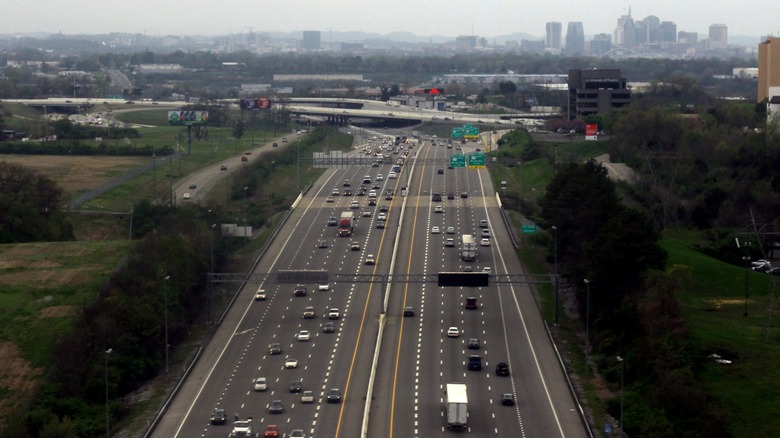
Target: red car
x=271 y=431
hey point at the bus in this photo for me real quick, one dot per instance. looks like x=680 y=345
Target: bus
x=468 y=248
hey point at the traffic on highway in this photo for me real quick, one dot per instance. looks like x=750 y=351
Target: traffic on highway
x=375 y=358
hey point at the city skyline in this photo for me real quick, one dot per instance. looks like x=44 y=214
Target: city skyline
x=452 y=17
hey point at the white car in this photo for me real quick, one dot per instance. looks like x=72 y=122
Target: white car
x=382 y=216
x=367 y=213
x=379 y=177
x=333 y=313
x=484 y=242
x=186 y=196
x=453 y=332
x=486 y=232
x=291 y=363
x=438 y=209
x=435 y=230
x=303 y=335
x=260 y=295
x=392 y=175
x=329 y=199
x=487 y=269
x=261 y=384
x=324 y=286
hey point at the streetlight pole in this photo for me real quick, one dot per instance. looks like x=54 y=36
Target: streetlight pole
x=587 y=323
x=108 y=424
x=555 y=271
x=622 y=370
x=747 y=280
x=165 y=299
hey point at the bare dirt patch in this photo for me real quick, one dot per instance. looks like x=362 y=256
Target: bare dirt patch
x=56 y=311
x=77 y=174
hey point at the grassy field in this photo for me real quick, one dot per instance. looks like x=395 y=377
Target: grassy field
x=42 y=285
x=714 y=307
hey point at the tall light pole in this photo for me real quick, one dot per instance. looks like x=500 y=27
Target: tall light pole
x=555 y=271
x=165 y=300
x=211 y=286
x=587 y=323
x=746 y=259
x=108 y=424
x=622 y=370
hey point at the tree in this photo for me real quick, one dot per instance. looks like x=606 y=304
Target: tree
x=32 y=207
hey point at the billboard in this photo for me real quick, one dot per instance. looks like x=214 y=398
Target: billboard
x=181 y=118
x=259 y=103
x=591 y=132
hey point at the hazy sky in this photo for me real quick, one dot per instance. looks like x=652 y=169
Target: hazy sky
x=485 y=18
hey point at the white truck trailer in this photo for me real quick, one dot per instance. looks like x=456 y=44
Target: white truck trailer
x=457 y=406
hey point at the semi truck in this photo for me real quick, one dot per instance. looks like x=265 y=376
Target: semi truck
x=468 y=249
x=346 y=224
x=457 y=406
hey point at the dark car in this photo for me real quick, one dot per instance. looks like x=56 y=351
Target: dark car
x=328 y=327
x=507 y=399
x=464 y=195
x=408 y=311
x=193 y=186
x=388 y=197
x=383 y=209
x=380 y=224
x=450 y=196
x=300 y=291
x=346 y=183
x=347 y=192
x=296 y=386
x=276 y=145
x=502 y=369
x=471 y=303
x=475 y=362
x=323 y=244
x=276 y=407
x=473 y=344
x=436 y=197
x=334 y=396
x=223 y=167
x=275 y=348
x=333 y=221
x=440 y=171
x=218 y=416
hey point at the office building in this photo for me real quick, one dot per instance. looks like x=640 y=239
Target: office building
x=600 y=44
x=719 y=36
x=552 y=39
x=690 y=38
x=625 y=31
x=575 y=38
x=668 y=30
x=768 y=66
x=311 y=40
x=596 y=91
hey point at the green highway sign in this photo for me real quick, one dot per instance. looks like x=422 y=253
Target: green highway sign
x=529 y=229
x=477 y=160
x=457 y=133
x=458 y=160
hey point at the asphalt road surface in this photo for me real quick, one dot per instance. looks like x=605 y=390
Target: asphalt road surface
x=416 y=358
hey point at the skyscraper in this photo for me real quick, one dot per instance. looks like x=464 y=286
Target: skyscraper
x=552 y=39
x=719 y=36
x=768 y=66
x=668 y=31
x=575 y=38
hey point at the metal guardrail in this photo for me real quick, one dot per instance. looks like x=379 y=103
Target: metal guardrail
x=164 y=408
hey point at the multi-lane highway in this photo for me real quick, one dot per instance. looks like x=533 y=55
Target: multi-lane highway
x=416 y=358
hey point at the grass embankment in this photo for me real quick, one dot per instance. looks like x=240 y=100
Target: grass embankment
x=42 y=286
